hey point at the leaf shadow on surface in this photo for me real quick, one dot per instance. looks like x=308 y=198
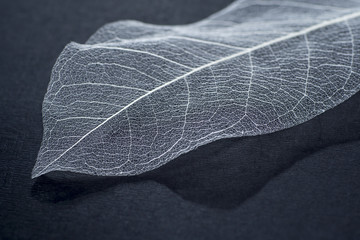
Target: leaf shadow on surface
x=225 y=173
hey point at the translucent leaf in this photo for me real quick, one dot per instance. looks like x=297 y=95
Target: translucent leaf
x=136 y=95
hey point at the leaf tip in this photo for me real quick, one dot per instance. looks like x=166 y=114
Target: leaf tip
x=38 y=171
x=35 y=174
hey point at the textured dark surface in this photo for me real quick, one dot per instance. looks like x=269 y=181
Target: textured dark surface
x=300 y=183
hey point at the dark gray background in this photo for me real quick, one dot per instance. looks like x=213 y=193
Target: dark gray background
x=300 y=183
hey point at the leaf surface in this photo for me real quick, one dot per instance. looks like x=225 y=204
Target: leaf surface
x=137 y=95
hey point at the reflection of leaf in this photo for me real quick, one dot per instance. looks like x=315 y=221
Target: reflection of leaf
x=136 y=96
